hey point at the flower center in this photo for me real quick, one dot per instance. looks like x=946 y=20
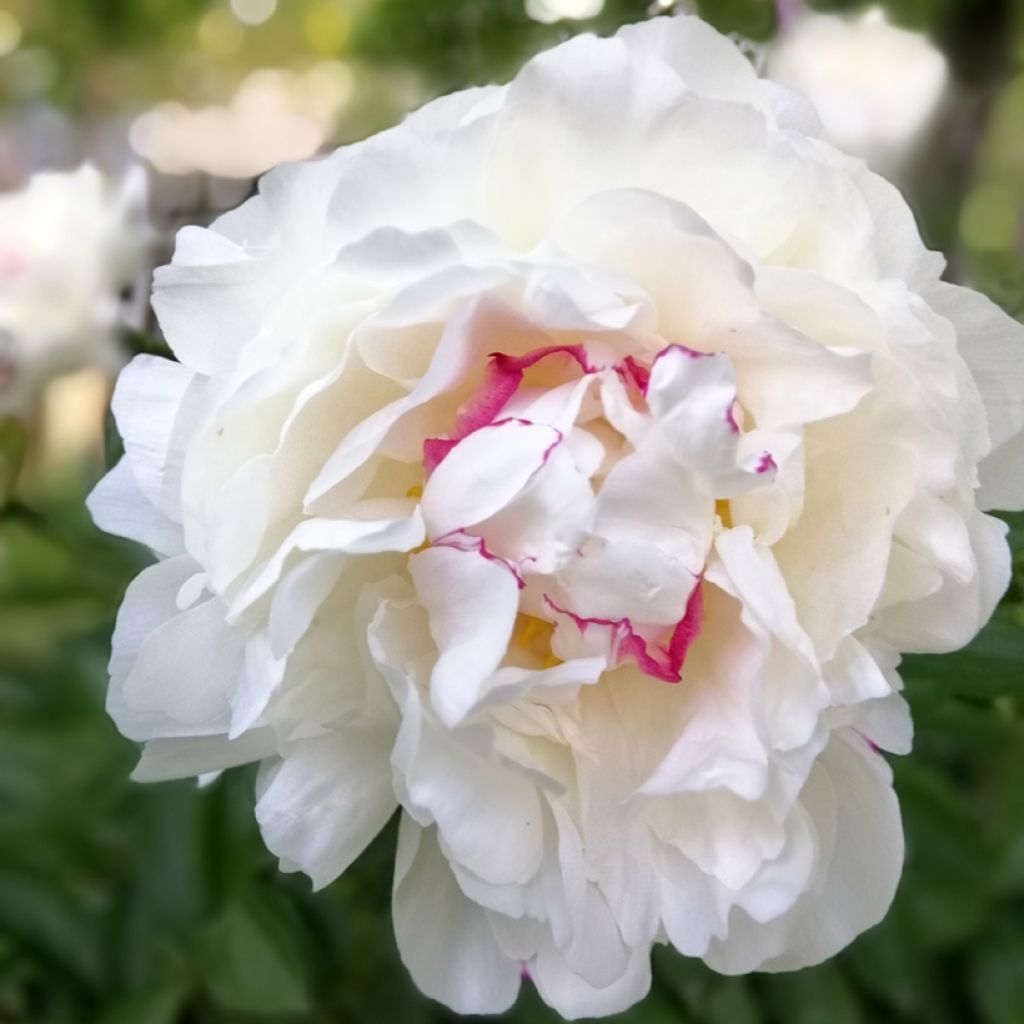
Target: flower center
x=594 y=481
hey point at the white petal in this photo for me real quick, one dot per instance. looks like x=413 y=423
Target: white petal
x=444 y=938
x=887 y=723
x=150 y=602
x=205 y=262
x=951 y=616
x=472 y=603
x=469 y=333
x=1000 y=477
x=118 y=506
x=992 y=345
x=546 y=522
x=716 y=743
x=488 y=813
x=187 y=669
x=511 y=684
x=260 y=677
x=572 y=997
x=794 y=694
x=298 y=597
x=850 y=800
x=691 y=396
x=708 y=62
x=853 y=675
x=326 y=799
x=184 y=757
x=629 y=579
x=402 y=531
x=648 y=495
x=152 y=402
x=689 y=912
x=574 y=120
x=483 y=473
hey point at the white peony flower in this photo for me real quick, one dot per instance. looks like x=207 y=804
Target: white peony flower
x=876 y=87
x=68 y=245
x=568 y=467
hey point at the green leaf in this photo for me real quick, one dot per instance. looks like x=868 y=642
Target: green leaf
x=997 y=979
x=949 y=877
x=815 y=995
x=887 y=959
x=162 y=1006
x=250 y=958
x=731 y=1003
x=161 y=1000
x=37 y=914
x=989 y=667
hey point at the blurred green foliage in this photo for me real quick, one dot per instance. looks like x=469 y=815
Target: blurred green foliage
x=124 y=904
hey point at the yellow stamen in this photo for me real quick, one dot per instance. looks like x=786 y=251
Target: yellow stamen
x=414 y=492
x=533 y=635
x=527 y=630
x=724 y=513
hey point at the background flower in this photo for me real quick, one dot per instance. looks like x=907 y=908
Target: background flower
x=876 y=86
x=69 y=245
x=489 y=430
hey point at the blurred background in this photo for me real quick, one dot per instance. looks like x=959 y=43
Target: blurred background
x=124 y=904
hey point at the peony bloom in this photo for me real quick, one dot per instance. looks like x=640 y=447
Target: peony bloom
x=567 y=468
x=876 y=87
x=68 y=245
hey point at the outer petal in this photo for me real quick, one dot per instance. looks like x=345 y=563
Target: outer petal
x=951 y=616
x=326 y=799
x=445 y=939
x=118 y=506
x=992 y=344
x=187 y=670
x=573 y=997
x=150 y=396
x=852 y=805
x=185 y=757
x=171 y=673
x=224 y=284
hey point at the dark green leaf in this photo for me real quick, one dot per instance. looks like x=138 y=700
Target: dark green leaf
x=250 y=959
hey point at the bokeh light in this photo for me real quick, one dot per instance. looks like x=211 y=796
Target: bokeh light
x=549 y=11
x=10 y=33
x=253 y=12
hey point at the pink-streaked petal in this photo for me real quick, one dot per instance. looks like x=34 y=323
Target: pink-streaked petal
x=483 y=473
x=622 y=640
x=501 y=381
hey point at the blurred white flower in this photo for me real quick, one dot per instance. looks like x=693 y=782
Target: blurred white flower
x=69 y=244
x=275 y=116
x=568 y=467
x=875 y=87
